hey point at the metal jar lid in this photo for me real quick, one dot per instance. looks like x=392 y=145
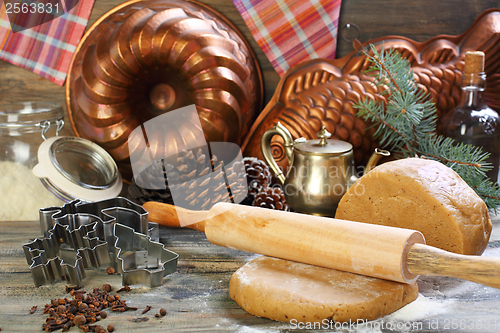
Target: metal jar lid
x=322 y=145
x=76 y=168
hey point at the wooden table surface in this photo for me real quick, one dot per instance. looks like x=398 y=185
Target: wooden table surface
x=196 y=296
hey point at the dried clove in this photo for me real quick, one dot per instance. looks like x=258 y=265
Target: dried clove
x=110 y=270
x=83 y=311
x=33 y=309
x=79 y=320
x=162 y=313
x=126 y=288
x=148 y=307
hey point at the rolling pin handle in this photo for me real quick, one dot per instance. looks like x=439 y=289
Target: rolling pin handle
x=172 y=216
x=428 y=260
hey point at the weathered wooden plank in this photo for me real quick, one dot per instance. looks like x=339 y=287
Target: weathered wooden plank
x=419 y=20
x=196 y=296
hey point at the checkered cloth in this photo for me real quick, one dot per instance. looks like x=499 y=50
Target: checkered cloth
x=46 y=49
x=292 y=31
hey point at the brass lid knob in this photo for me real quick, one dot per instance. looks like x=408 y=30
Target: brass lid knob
x=323 y=135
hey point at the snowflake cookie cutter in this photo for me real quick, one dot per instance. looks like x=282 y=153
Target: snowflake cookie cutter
x=66 y=252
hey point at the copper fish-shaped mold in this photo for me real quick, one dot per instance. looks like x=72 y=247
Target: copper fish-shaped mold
x=322 y=92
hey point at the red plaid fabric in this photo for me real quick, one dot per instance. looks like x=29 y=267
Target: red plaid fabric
x=292 y=31
x=46 y=49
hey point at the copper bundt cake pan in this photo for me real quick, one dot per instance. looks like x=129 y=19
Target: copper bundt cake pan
x=143 y=59
x=324 y=92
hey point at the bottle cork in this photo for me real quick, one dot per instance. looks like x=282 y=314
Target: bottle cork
x=474 y=62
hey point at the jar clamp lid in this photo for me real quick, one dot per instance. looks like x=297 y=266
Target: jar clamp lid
x=27 y=117
x=76 y=168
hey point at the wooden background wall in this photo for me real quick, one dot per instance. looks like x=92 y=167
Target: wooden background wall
x=416 y=19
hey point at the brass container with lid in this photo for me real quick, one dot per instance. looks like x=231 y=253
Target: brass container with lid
x=321 y=170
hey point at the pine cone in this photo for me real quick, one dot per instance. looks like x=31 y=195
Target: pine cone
x=271 y=197
x=150 y=186
x=141 y=195
x=258 y=175
x=192 y=181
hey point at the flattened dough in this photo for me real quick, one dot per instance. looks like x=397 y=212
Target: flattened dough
x=283 y=290
x=422 y=195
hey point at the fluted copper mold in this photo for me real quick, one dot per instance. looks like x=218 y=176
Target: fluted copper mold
x=145 y=58
x=323 y=92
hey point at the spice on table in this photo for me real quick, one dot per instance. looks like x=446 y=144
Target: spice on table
x=82 y=311
x=110 y=270
x=111 y=328
x=79 y=320
x=107 y=287
x=162 y=313
x=33 y=309
x=99 y=329
x=126 y=288
x=74 y=292
x=122 y=307
x=148 y=307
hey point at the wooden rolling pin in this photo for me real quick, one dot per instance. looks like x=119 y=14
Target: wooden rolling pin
x=379 y=251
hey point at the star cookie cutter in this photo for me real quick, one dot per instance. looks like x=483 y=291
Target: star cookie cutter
x=82 y=235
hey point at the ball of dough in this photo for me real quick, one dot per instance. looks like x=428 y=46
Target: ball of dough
x=423 y=195
x=293 y=292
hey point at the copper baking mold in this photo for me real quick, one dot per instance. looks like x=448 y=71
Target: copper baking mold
x=145 y=58
x=323 y=92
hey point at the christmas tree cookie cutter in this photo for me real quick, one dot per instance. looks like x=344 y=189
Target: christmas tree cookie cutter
x=83 y=235
x=141 y=260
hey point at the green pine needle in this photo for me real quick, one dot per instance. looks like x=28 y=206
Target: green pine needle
x=406 y=125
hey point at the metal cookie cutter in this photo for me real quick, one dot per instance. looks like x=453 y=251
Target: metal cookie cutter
x=141 y=260
x=66 y=252
x=82 y=235
x=108 y=211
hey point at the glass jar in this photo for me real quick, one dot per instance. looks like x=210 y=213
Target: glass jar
x=23 y=127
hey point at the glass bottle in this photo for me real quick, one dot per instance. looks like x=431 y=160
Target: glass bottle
x=472 y=121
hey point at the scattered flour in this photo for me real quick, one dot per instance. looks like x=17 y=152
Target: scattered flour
x=22 y=194
x=422 y=308
x=405 y=319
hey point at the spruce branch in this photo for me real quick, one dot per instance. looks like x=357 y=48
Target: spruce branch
x=406 y=125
